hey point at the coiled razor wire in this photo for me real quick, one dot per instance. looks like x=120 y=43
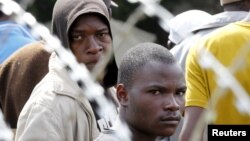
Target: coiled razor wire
x=208 y=61
x=146 y=8
x=92 y=90
x=225 y=81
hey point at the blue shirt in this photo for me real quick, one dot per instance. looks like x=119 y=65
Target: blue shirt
x=12 y=37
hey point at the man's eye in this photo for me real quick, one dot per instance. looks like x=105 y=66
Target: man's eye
x=180 y=93
x=102 y=35
x=76 y=37
x=155 y=92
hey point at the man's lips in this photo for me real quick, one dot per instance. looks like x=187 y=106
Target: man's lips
x=174 y=120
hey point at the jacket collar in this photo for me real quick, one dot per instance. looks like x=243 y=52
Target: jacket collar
x=63 y=84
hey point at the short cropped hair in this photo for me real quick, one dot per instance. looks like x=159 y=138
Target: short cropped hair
x=135 y=58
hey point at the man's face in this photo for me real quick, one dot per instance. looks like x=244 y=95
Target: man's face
x=89 y=39
x=155 y=99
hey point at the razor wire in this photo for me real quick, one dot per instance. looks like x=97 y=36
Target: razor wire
x=225 y=81
x=146 y=8
x=207 y=61
x=153 y=8
x=91 y=89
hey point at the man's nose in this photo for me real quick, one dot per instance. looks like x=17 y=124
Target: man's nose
x=93 y=46
x=171 y=104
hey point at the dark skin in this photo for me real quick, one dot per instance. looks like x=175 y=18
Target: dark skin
x=89 y=39
x=153 y=105
x=192 y=115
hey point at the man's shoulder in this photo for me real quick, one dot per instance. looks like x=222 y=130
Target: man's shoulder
x=49 y=91
x=225 y=33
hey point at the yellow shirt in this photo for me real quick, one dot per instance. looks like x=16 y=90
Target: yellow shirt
x=225 y=44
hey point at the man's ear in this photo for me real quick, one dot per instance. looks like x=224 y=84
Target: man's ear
x=122 y=95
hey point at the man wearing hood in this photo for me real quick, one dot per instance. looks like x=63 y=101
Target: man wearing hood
x=56 y=109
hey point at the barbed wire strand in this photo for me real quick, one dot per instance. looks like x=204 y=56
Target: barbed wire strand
x=241 y=95
x=129 y=25
x=92 y=90
x=153 y=8
x=242 y=98
x=146 y=8
x=225 y=81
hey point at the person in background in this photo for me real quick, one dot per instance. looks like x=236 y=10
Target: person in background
x=183 y=24
x=203 y=83
x=234 y=10
x=150 y=91
x=18 y=76
x=181 y=29
x=12 y=37
x=57 y=109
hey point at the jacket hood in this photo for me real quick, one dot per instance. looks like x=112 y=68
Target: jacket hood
x=65 y=12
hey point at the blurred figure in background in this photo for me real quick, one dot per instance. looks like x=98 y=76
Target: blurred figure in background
x=18 y=76
x=181 y=32
x=12 y=37
x=183 y=24
x=234 y=10
x=225 y=44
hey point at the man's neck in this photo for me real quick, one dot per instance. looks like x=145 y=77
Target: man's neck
x=141 y=136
